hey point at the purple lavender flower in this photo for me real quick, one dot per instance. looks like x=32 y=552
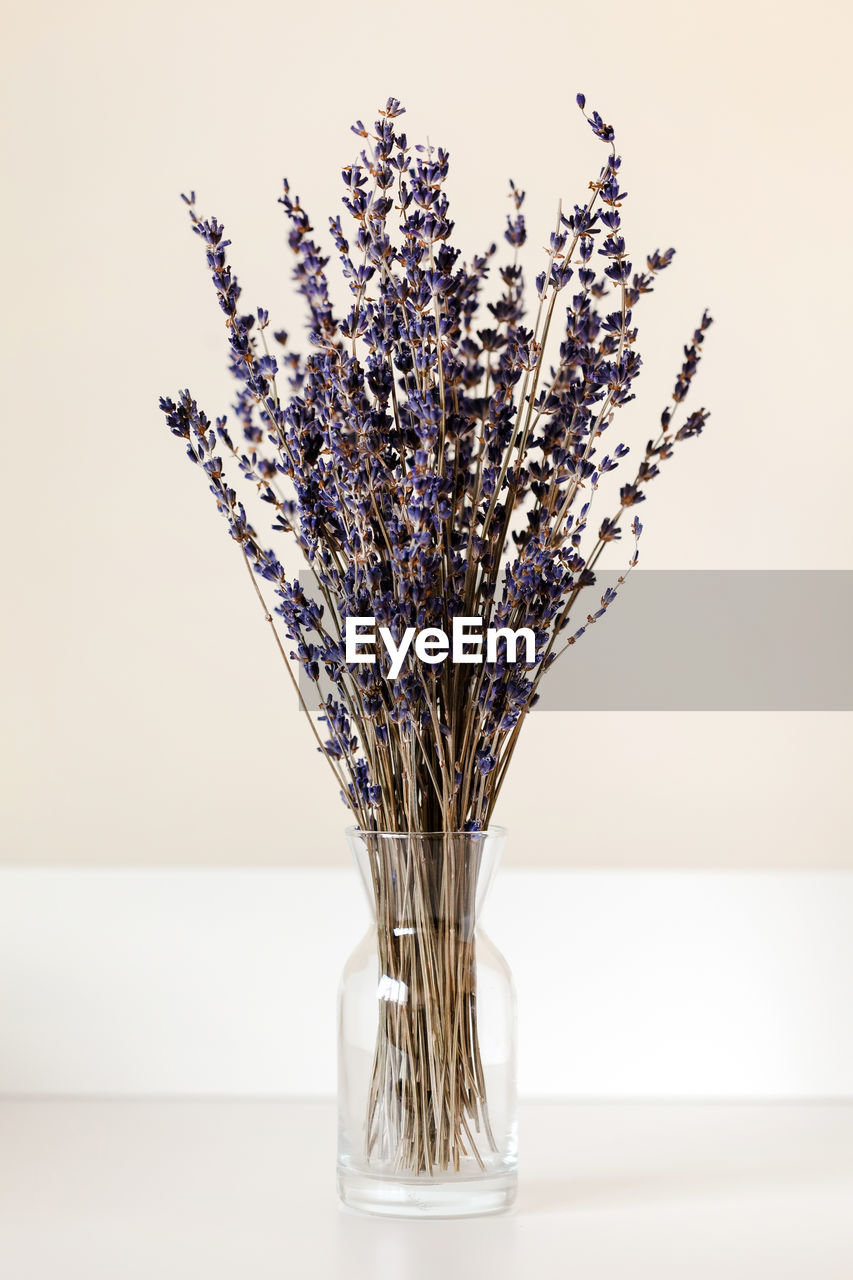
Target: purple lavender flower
x=434 y=454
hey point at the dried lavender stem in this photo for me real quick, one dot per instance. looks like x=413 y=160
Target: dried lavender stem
x=428 y=466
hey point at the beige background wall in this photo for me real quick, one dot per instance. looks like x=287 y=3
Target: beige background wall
x=145 y=717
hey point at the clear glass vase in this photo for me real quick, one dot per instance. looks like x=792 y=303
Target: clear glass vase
x=426 y=1034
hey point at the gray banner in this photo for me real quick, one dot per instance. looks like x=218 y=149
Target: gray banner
x=706 y=640
x=712 y=640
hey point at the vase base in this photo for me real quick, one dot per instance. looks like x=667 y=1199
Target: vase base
x=427 y=1197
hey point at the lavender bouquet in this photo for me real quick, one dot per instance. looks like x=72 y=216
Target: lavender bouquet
x=434 y=456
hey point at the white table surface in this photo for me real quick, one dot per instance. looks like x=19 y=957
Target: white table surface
x=161 y=1190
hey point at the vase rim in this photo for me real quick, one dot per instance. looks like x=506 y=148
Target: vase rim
x=492 y=830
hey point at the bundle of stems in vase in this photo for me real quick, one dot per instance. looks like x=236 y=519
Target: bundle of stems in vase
x=434 y=453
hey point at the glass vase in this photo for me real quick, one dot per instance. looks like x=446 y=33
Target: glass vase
x=426 y=1034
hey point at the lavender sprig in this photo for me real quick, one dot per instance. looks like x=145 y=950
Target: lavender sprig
x=433 y=455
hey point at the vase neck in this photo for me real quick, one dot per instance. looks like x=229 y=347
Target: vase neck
x=413 y=879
